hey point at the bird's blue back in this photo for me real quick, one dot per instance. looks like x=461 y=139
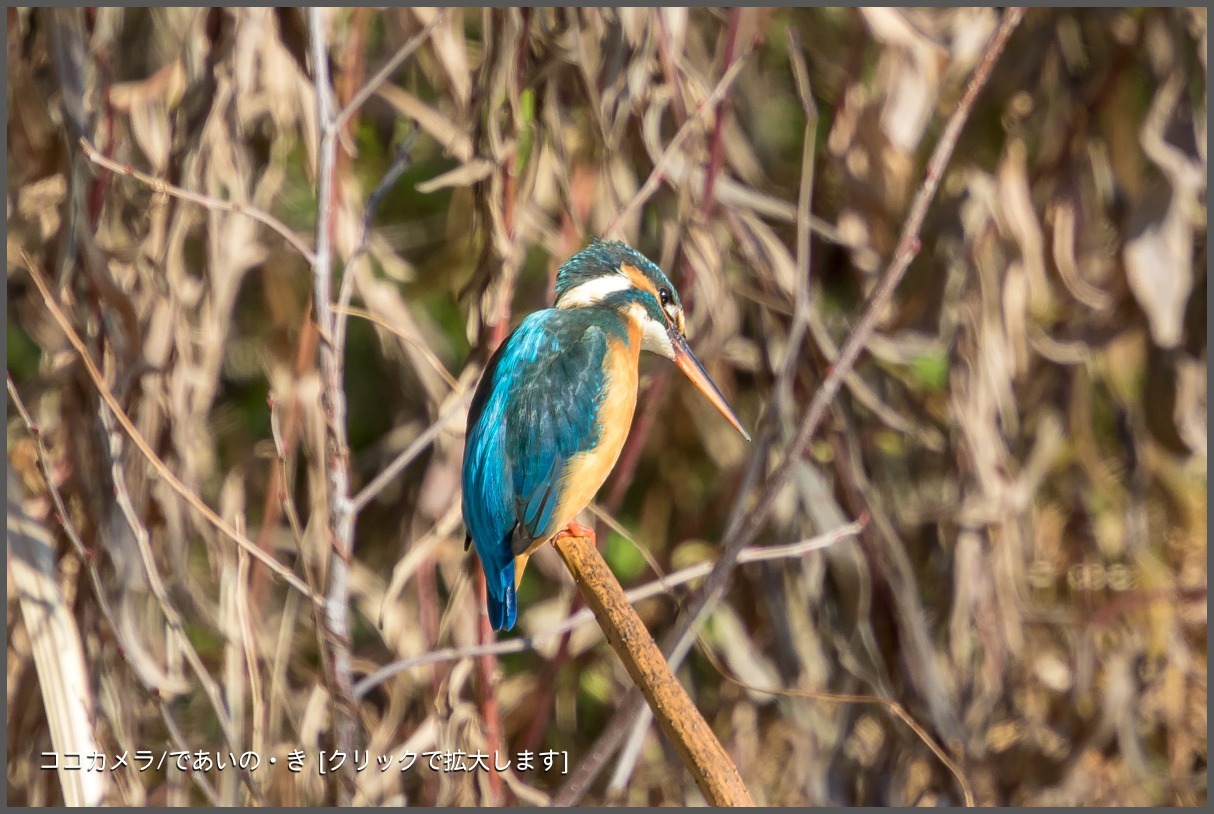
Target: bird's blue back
x=537 y=406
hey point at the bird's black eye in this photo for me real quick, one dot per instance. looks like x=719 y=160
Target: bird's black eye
x=664 y=296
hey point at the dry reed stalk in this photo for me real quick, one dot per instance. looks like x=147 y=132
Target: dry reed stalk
x=340 y=512
x=57 y=649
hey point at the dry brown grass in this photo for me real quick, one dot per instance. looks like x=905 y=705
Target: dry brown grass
x=1022 y=612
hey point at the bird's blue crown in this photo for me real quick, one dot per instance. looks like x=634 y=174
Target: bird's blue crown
x=603 y=257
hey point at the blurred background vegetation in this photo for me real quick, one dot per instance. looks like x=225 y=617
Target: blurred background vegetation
x=1026 y=432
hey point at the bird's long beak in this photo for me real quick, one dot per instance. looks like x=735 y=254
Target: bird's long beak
x=690 y=365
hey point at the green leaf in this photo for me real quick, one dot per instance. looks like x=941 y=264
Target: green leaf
x=527 y=131
x=931 y=371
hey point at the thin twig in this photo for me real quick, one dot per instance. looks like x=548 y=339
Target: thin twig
x=669 y=70
x=657 y=587
x=486 y=664
x=403 y=160
x=608 y=520
x=287 y=504
x=160 y=186
x=381 y=76
x=305 y=360
x=345 y=86
x=283 y=497
x=847 y=698
x=183 y=744
x=251 y=661
x=406 y=456
x=801 y=312
x=422 y=348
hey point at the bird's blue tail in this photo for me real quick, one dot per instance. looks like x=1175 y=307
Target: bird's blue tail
x=502 y=603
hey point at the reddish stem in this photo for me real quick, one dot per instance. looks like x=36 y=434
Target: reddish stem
x=427 y=602
x=488 y=703
x=716 y=148
x=104 y=176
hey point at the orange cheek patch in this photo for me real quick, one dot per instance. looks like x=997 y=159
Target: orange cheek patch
x=638 y=279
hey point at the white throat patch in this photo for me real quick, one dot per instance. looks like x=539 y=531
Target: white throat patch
x=655 y=337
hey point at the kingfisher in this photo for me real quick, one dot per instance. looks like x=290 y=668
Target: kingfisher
x=555 y=403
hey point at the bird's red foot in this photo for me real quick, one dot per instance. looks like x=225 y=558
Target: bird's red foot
x=575 y=529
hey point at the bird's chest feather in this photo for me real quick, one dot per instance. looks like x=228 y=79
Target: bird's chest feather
x=586 y=471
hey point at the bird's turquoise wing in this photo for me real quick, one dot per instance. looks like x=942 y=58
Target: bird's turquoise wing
x=535 y=408
x=553 y=416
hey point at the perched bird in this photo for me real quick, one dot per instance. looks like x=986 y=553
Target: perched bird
x=552 y=410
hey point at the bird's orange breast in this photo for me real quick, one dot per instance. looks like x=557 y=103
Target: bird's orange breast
x=586 y=471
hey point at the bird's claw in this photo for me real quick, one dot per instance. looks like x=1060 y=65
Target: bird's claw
x=575 y=529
